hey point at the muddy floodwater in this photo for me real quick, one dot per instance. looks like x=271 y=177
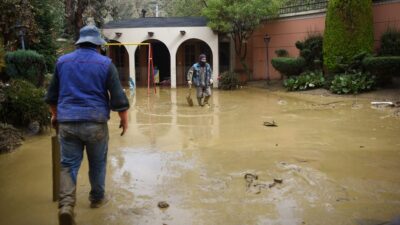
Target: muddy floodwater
x=330 y=160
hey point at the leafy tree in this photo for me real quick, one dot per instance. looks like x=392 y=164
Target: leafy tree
x=49 y=25
x=348 y=31
x=186 y=7
x=41 y=21
x=120 y=9
x=80 y=12
x=239 y=18
x=13 y=12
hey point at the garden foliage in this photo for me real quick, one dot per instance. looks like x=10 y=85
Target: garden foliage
x=27 y=65
x=306 y=80
x=352 y=83
x=289 y=66
x=348 y=31
x=22 y=103
x=311 y=51
x=228 y=81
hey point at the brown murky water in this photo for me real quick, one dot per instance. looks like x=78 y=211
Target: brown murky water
x=338 y=158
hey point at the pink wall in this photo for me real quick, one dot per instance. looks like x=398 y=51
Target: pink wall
x=385 y=15
x=285 y=32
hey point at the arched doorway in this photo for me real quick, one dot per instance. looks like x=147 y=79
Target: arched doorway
x=187 y=54
x=120 y=57
x=161 y=62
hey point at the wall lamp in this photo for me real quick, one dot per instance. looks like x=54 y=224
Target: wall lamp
x=183 y=32
x=150 y=33
x=267 y=38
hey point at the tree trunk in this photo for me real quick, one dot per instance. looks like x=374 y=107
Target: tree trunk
x=69 y=17
x=241 y=52
x=79 y=23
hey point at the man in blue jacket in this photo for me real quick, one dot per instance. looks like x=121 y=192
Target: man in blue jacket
x=83 y=90
x=200 y=74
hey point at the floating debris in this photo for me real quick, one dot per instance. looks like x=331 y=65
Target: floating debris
x=382 y=104
x=256 y=186
x=278 y=180
x=270 y=124
x=163 y=205
x=250 y=178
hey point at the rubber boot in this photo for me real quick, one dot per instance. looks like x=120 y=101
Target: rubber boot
x=67 y=198
x=199 y=101
x=206 y=100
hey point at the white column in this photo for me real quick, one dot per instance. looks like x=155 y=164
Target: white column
x=131 y=52
x=173 y=67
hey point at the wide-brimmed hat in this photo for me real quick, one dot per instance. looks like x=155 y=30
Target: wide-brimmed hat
x=90 y=34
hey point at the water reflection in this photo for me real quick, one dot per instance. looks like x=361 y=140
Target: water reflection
x=337 y=157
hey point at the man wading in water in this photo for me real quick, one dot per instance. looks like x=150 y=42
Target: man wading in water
x=200 y=75
x=84 y=88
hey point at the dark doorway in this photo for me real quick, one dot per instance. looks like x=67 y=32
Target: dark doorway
x=161 y=62
x=224 y=57
x=187 y=55
x=120 y=58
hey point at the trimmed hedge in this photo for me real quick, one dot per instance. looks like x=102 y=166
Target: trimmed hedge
x=383 y=67
x=390 y=43
x=311 y=51
x=348 y=31
x=289 y=66
x=26 y=64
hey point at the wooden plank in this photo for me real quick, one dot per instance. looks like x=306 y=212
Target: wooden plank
x=55 y=155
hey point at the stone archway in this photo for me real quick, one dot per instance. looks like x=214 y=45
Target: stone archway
x=120 y=57
x=161 y=62
x=187 y=55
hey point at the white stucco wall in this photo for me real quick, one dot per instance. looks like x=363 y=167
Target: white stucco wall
x=172 y=38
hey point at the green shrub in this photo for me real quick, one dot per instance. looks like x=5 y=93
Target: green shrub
x=311 y=51
x=354 y=65
x=27 y=65
x=22 y=104
x=288 y=66
x=348 y=31
x=282 y=52
x=306 y=80
x=352 y=83
x=383 y=67
x=390 y=43
x=228 y=81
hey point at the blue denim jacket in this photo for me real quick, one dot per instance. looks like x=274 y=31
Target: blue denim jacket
x=196 y=74
x=80 y=87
